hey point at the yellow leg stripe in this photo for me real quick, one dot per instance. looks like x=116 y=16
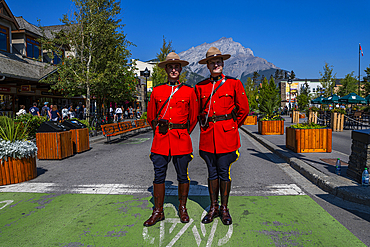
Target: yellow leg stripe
x=187 y=169
x=238 y=154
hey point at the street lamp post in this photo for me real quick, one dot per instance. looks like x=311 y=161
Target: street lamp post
x=146 y=75
x=290 y=94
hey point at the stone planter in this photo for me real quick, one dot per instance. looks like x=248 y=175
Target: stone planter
x=250 y=120
x=309 y=140
x=15 y=171
x=271 y=127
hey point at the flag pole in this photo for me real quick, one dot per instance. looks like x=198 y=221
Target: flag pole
x=359 y=61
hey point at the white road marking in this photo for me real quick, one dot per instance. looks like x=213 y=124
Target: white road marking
x=124 y=189
x=7 y=202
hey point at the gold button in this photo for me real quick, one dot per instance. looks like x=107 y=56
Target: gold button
x=196 y=100
x=170 y=107
x=214 y=101
x=226 y=94
x=214 y=112
x=242 y=93
x=160 y=100
x=182 y=100
x=171 y=119
x=204 y=96
x=233 y=127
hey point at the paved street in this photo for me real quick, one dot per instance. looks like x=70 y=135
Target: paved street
x=102 y=197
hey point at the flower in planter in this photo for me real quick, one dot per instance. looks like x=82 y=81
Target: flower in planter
x=271 y=118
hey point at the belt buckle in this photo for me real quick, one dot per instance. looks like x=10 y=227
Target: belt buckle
x=170 y=126
x=213 y=118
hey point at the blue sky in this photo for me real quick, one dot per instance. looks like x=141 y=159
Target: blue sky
x=293 y=35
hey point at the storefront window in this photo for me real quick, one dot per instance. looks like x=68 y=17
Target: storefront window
x=4 y=38
x=33 y=48
x=6 y=105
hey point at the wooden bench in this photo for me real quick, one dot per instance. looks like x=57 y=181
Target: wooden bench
x=122 y=128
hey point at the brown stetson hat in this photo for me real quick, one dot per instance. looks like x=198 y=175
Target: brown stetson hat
x=212 y=53
x=172 y=58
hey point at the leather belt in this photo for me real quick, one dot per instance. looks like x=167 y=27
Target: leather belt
x=177 y=126
x=216 y=118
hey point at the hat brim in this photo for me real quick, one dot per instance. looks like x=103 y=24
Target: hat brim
x=224 y=57
x=164 y=63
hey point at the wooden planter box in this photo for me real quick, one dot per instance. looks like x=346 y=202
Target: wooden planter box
x=271 y=127
x=54 y=145
x=80 y=140
x=337 y=121
x=17 y=170
x=250 y=120
x=309 y=140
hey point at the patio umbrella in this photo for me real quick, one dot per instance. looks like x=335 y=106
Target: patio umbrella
x=368 y=99
x=333 y=99
x=352 y=98
x=318 y=100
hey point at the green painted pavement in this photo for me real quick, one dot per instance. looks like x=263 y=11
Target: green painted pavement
x=35 y=219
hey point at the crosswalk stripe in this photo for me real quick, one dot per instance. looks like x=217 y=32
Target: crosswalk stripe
x=122 y=189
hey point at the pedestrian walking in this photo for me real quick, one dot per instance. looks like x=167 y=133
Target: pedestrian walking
x=45 y=110
x=223 y=107
x=34 y=110
x=54 y=113
x=172 y=113
x=118 y=113
x=65 y=112
x=22 y=110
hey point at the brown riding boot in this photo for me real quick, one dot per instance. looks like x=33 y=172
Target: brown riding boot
x=157 y=215
x=183 y=191
x=213 y=188
x=224 y=211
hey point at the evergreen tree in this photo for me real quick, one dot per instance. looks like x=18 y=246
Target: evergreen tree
x=366 y=83
x=159 y=74
x=349 y=85
x=328 y=80
x=252 y=91
x=255 y=76
x=303 y=99
x=98 y=60
x=292 y=75
x=269 y=98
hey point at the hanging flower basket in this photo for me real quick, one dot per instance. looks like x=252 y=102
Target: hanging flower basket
x=18 y=161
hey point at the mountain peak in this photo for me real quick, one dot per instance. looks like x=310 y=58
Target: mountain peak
x=241 y=61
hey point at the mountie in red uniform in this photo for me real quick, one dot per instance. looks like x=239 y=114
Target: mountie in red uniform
x=222 y=136
x=182 y=108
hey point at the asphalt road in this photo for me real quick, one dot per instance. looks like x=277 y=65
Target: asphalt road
x=267 y=193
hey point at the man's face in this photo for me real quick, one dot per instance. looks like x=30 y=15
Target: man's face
x=173 y=70
x=215 y=66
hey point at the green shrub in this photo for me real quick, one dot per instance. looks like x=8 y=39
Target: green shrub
x=143 y=116
x=34 y=122
x=307 y=126
x=12 y=131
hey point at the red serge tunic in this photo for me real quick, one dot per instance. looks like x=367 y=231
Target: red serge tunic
x=222 y=136
x=182 y=107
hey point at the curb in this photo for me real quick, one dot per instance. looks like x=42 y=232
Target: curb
x=340 y=187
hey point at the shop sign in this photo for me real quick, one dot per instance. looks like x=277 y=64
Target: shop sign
x=25 y=88
x=4 y=89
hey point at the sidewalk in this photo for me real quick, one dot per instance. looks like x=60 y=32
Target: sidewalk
x=319 y=168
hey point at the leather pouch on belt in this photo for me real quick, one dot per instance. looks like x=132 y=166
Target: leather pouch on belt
x=202 y=118
x=162 y=126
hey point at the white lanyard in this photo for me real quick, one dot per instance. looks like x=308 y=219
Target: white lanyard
x=172 y=93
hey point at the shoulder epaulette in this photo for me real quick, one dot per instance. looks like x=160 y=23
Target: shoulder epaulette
x=160 y=85
x=229 y=77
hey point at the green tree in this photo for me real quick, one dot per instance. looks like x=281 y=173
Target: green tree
x=303 y=99
x=349 y=85
x=159 y=74
x=255 y=76
x=269 y=98
x=292 y=75
x=366 y=83
x=98 y=60
x=252 y=91
x=327 y=80
x=278 y=75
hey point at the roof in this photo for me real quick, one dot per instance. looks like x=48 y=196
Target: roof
x=15 y=66
x=25 y=25
x=49 y=30
x=5 y=13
